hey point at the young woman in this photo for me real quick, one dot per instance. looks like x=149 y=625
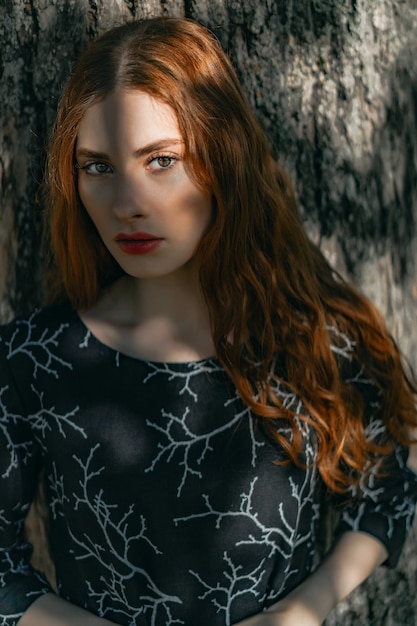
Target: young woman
x=201 y=382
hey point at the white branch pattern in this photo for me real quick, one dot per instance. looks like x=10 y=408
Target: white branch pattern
x=184 y=441
x=24 y=341
x=345 y=346
x=195 y=370
x=14 y=448
x=236 y=584
x=132 y=534
x=114 y=563
x=41 y=424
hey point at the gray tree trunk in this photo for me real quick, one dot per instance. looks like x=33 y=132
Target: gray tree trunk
x=334 y=83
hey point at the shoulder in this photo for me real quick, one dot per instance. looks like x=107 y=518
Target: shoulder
x=39 y=339
x=37 y=324
x=353 y=365
x=341 y=343
x=349 y=354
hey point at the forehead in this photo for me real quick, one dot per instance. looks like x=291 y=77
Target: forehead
x=128 y=116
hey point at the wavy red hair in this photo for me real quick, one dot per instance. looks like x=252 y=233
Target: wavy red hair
x=269 y=290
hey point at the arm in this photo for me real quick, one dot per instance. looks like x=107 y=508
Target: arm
x=355 y=556
x=26 y=597
x=371 y=531
x=20 y=463
x=50 y=610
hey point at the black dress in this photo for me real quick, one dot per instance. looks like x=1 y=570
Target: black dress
x=166 y=506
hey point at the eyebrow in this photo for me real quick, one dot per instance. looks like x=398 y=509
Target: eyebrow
x=140 y=152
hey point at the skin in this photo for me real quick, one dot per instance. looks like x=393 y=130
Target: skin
x=132 y=178
x=355 y=556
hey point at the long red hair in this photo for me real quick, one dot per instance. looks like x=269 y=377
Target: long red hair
x=269 y=290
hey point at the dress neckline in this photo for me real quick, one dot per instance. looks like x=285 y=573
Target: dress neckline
x=186 y=365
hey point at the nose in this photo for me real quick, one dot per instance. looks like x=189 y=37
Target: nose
x=128 y=200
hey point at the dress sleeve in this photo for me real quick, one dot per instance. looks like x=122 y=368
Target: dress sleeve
x=20 y=584
x=384 y=504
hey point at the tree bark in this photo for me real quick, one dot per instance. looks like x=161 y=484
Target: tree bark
x=334 y=84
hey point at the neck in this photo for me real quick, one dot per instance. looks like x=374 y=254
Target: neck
x=177 y=298
x=157 y=319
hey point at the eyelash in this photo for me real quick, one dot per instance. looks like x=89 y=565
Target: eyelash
x=86 y=167
x=170 y=157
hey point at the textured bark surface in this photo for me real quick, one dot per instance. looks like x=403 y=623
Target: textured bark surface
x=333 y=82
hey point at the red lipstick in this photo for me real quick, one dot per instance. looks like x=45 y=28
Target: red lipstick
x=137 y=243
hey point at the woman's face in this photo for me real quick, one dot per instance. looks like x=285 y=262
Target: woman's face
x=134 y=185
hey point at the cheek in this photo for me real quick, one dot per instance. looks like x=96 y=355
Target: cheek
x=204 y=207
x=86 y=197
x=94 y=198
x=195 y=204
x=193 y=219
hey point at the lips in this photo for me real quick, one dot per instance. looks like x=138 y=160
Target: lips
x=137 y=243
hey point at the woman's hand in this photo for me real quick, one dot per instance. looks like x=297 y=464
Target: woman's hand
x=51 y=610
x=283 y=613
x=353 y=558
